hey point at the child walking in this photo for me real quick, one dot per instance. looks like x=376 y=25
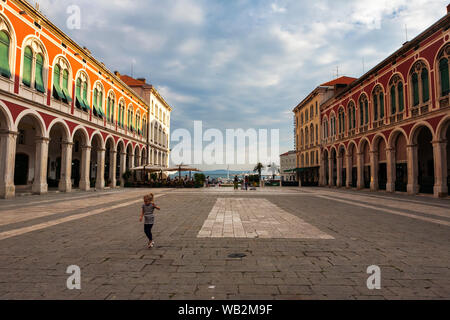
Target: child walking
x=147 y=212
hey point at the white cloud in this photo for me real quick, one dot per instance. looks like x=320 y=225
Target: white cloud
x=277 y=9
x=173 y=97
x=190 y=46
x=186 y=11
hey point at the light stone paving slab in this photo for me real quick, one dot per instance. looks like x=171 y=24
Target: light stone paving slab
x=255 y=218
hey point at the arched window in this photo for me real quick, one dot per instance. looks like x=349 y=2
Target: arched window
x=81 y=92
x=444 y=77
x=98 y=100
x=27 y=66
x=5 y=43
x=302 y=140
x=363 y=111
x=443 y=65
x=341 y=116
x=351 y=116
x=306 y=137
x=397 y=97
x=121 y=114
x=311 y=130
x=111 y=107
x=420 y=86
x=378 y=103
x=61 y=81
x=317 y=134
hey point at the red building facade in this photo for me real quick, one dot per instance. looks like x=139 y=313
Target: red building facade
x=389 y=130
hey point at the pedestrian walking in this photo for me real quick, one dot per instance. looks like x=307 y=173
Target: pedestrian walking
x=147 y=212
x=235 y=182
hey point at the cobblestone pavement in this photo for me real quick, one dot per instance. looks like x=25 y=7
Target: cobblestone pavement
x=407 y=237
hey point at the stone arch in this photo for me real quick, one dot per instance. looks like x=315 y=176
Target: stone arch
x=65 y=127
x=37 y=116
x=6 y=122
x=97 y=135
x=415 y=131
x=352 y=152
x=422 y=167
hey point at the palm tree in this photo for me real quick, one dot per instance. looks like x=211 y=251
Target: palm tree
x=259 y=168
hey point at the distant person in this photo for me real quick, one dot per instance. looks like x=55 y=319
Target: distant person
x=207 y=181
x=147 y=212
x=236 y=181
x=246 y=182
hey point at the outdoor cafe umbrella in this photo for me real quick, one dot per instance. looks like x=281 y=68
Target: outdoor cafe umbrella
x=182 y=167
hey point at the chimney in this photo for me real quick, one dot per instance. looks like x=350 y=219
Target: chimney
x=141 y=79
x=448 y=8
x=116 y=73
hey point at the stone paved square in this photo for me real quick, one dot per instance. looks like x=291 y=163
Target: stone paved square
x=407 y=237
x=255 y=218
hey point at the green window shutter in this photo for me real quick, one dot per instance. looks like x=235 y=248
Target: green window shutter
x=27 y=66
x=415 y=89
x=425 y=86
x=79 y=100
x=401 y=105
x=354 y=117
x=57 y=92
x=85 y=97
x=366 y=111
x=65 y=86
x=381 y=105
x=4 y=55
x=375 y=107
x=393 y=101
x=361 y=113
x=100 y=104
x=39 y=77
x=112 y=110
x=108 y=107
x=94 y=103
x=443 y=70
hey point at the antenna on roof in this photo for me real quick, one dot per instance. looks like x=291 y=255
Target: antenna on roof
x=337 y=72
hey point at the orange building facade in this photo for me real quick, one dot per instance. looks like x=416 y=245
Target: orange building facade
x=66 y=121
x=389 y=129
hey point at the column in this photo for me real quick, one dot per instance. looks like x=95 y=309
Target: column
x=391 y=169
x=65 y=181
x=349 y=167
x=413 y=170
x=374 y=170
x=40 y=185
x=7 y=164
x=440 y=168
x=123 y=162
x=321 y=172
x=131 y=161
x=100 y=179
x=85 y=183
x=330 y=171
x=360 y=170
x=339 y=171
x=112 y=168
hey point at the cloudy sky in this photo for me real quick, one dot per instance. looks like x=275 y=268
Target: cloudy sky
x=242 y=63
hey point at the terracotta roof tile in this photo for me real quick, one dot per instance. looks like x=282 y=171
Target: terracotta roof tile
x=340 y=80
